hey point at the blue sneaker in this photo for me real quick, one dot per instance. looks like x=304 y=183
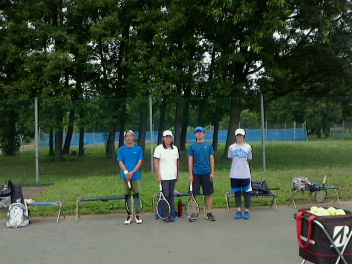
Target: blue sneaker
x=247 y=215
x=238 y=215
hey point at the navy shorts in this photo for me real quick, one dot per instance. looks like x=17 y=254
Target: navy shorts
x=204 y=181
x=238 y=185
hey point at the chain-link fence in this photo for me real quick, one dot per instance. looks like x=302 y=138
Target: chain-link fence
x=92 y=130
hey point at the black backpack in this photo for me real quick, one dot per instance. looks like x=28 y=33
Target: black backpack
x=260 y=187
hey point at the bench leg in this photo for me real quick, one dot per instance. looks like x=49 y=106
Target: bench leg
x=292 y=198
x=274 y=202
x=60 y=212
x=77 y=209
x=227 y=201
x=337 y=193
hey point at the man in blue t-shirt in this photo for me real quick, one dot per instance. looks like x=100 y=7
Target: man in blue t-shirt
x=201 y=166
x=130 y=160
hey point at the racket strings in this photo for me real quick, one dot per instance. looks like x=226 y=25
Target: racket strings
x=129 y=204
x=192 y=207
x=137 y=204
x=163 y=208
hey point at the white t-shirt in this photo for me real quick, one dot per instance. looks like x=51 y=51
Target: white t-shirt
x=168 y=161
x=240 y=154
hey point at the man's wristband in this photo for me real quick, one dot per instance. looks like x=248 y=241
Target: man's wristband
x=125 y=172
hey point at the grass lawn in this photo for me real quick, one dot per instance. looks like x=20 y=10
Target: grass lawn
x=96 y=175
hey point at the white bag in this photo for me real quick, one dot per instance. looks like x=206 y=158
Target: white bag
x=301 y=184
x=17 y=215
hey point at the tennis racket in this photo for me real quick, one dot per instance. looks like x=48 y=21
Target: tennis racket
x=192 y=207
x=129 y=200
x=163 y=207
x=129 y=204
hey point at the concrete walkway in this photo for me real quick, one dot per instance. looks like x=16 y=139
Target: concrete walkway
x=268 y=237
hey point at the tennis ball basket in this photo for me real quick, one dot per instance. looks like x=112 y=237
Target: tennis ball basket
x=324 y=239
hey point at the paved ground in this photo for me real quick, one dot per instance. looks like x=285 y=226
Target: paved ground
x=268 y=237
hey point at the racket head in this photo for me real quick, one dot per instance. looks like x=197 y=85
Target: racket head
x=137 y=205
x=129 y=204
x=192 y=206
x=163 y=208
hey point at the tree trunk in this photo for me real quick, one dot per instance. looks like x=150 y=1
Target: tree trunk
x=216 y=126
x=185 y=118
x=235 y=113
x=58 y=145
x=51 y=143
x=143 y=128
x=9 y=139
x=162 y=117
x=81 y=142
x=122 y=123
x=319 y=133
x=178 y=116
x=71 y=121
x=81 y=136
x=110 y=144
x=201 y=111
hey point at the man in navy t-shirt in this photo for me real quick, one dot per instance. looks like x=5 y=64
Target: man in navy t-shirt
x=201 y=165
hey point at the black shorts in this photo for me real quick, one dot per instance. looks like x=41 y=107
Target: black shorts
x=238 y=185
x=204 y=181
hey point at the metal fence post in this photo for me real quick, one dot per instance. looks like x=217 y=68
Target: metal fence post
x=36 y=129
x=151 y=132
x=263 y=130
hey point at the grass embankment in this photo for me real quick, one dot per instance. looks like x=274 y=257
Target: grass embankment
x=96 y=175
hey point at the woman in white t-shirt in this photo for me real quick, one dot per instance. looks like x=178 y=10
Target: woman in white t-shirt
x=166 y=163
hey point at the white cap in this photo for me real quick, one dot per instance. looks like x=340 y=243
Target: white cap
x=240 y=131
x=128 y=131
x=167 y=133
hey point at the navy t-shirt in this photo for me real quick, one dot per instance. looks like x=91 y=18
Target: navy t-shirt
x=201 y=157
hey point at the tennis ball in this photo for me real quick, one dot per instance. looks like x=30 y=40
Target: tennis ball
x=322 y=212
x=332 y=211
x=340 y=212
x=314 y=209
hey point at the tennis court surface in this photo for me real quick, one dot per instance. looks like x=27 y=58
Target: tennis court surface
x=268 y=237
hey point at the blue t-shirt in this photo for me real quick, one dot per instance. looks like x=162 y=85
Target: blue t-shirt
x=130 y=156
x=201 y=157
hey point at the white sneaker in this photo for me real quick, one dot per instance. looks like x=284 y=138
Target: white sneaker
x=128 y=220
x=138 y=219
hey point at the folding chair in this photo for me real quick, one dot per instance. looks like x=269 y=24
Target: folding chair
x=5 y=193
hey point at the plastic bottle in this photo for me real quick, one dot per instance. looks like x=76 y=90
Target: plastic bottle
x=180 y=208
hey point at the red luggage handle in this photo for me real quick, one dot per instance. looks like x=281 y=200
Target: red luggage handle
x=299 y=229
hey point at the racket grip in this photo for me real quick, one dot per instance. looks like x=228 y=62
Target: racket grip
x=129 y=184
